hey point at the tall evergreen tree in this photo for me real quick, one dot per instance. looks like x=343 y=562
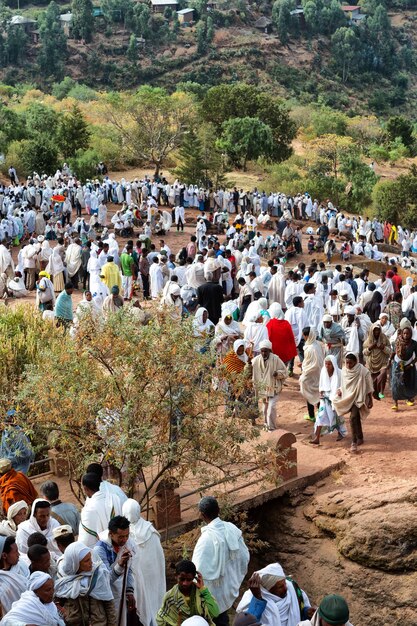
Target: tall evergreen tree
x=73 y=133
x=132 y=50
x=53 y=43
x=192 y=169
x=82 y=19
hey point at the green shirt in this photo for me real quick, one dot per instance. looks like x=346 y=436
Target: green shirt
x=127 y=263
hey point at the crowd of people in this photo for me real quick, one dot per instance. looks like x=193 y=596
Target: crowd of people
x=234 y=281
x=260 y=315
x=105 y=566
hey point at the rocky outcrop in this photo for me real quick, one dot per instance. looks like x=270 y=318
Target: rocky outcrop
x=376 y=528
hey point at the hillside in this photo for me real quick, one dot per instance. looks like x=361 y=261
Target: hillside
x=300 y=60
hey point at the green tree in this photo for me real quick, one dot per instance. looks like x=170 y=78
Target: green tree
x=239 y=100
x=200 y=33
x=73 y=133
x=132 y=49
x=141 y=19
x=82 y=19
x=361 y=179
x=245 y=139
x=12 y=127
x=84 y=164
x=311 y=15
x=151 y=123
x=191 y=170
x=144 y=424
x=38 y=154
x=15 y=45
x=53 y=50
x=326 y=121
x=176 y=26
x=61 y=90
x=117 y=10
x=400 y=126
x=345 y=47
x=282 y=19
x=41 y=119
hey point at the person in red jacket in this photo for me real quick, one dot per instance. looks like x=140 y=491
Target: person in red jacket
x=280 y=334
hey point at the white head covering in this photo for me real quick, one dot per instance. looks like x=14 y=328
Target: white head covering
x=195 y=620
x=236 y=345
x=265 y=344
x=37 y=579
x=73 y=554
x=350 y=310
x=275 y=311
x=71 y=584
x=140 y=529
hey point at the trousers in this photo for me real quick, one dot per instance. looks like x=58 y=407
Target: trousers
x=355 y=424
x=269 y=410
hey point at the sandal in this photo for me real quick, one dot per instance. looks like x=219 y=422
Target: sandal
x=410 y=402
x=394 y=408
x=354 y=448
x=309 y=419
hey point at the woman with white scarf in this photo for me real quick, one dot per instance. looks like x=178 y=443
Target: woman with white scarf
x=406 y=289
x=55 y=268
x=203 y=328
x=227 y=331
x=276 y=597
x=255 y=333
x=149 y=559
x=36 y=606
x=171 y=299
x=83 y=588
x=16 y=514
x=327 y=419
x=354 y=397
x=312 y=365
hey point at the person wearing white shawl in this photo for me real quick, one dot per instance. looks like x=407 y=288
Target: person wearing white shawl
x=253 y=307
x=406 y=289
x=227 y=331
x=73 y=259
x=255 y=332
x=113 y=248
x=55 y=268
x=221 y=556
x=14 y=574
x=278 y=595
x=276 y=287
x=149 y=559
x=97 y=511
x=202 y=325
x=6 y=261
x=16 y=514
x=268 y=375
x=327 y=419
x=84 y=585
x=40 y=521
x=387 y=328
x=312 y=365
x=36 y=606
x=354 y=396
x=171 y=299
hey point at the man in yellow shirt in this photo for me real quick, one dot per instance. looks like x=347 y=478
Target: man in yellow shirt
x=110 y=274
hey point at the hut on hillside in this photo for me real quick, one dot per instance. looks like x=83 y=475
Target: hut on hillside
x=264 y=24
